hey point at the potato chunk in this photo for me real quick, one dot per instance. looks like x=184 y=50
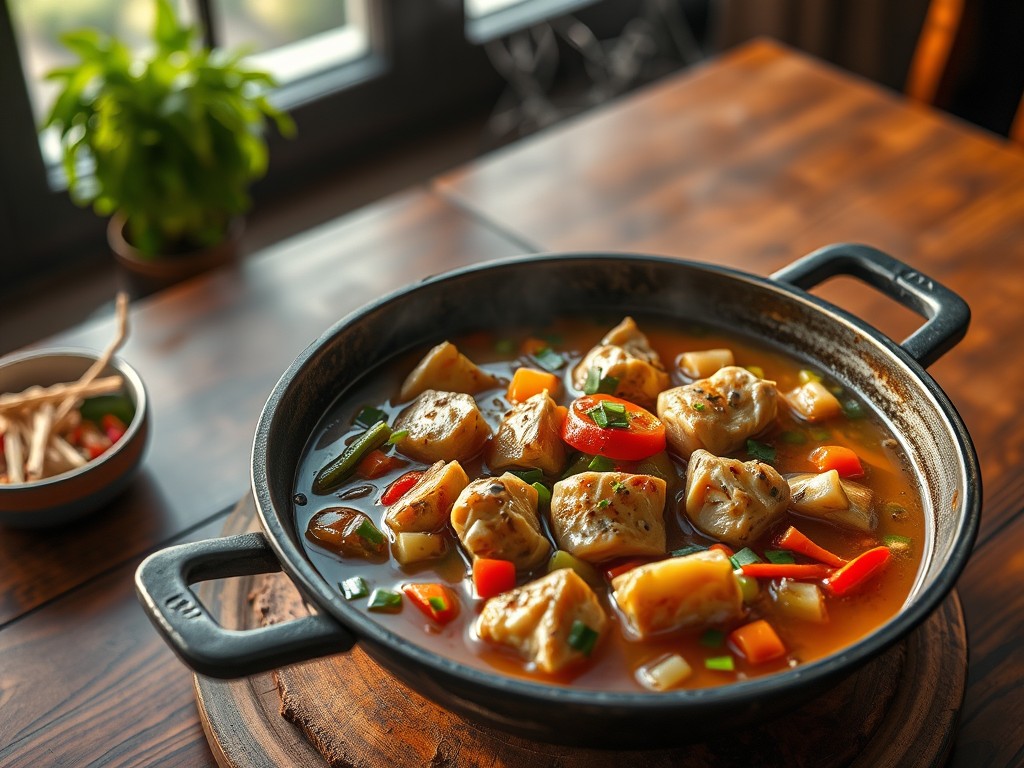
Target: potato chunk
x=733 y=501
x=442 y=426
x=827 y=497
x=426 y=506
x=536 y=620
x=445 y=368
x=691 y=591
x=496 y=517
x=600 y=515
x=813 y=402
x=529 y=437
x=718 y=413
x=704 y=363
x=625 y=354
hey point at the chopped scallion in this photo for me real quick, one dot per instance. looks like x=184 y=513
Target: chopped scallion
x=603 y=503
x=610 y=415
x=582 y=638
x=779 y=557
x=601 y=464
x=367 y=530
x=698 y=406
x=745 y=556
x=385 y=601
x=438 y=603
x=689 y=549
x=529 y=476
x=712 y=638
x=593 y=381
x=354 y=587
x=369 y=416
x=599 y=416
x=397 y=437
x=761 y=451
x=543 y=494
x=720 y=663
x=548 y=359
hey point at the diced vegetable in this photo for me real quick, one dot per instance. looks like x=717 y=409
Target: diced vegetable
x=800 y=600
x=354 y=587
x=779 y=556
x=813 y=402
x=587 y=572
x=529 y=476
x=745 y=556
x=757 y=642
x=548 y=359
x=720 y=663
x=597 y=384
x=609 y=426
x=436 y=601
x=795 y=541
x=113 y=427
x=543 y=493
x=337 y=471
x=416 y=546
x=858 y=571
x=398 y=436
x=601 y=464
x=761 y=451
x=773 y=571
x=492 y=577
x=400 y=487
x=749 y=587
x=837 y=457
x=369 y=416
x=385 y=601
x=527 y=382
x=664 y=674
x=700 y=365
x=582 y=638
x=376 y=463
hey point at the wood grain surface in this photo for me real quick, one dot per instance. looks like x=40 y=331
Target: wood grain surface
x=899 y=709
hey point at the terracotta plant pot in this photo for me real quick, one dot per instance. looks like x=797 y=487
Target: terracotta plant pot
x=142 y=275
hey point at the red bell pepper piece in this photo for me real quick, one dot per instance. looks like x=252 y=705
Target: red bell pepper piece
x=858 y=571
x=398 y=489
x=492 y=577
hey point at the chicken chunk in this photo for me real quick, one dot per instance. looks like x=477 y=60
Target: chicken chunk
x=600 y=515
x=529 y=437
x=444 y=426
x=496 y=517
x=445 y=368
x=536 y=620
x=826 y=497
x=695 y=590
x=718 y=413
x=625 y=354
x=733 y=501
x=427 y=505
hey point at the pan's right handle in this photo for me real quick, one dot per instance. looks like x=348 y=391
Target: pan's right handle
x=163 y=582
x=947 y=314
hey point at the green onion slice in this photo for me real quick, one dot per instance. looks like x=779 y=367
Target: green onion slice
x=713 y=638
x=745 y=556
x=337 y=471
x=543 y=494
x=529 y=476
x=354 y=587
x=779 y=557
x=369 y=416
x=582 y=638
x=610 y=415
x=385 y=601
x=689 y=549
x=368 y=531
x=398 y=436
x=437 y=603
x=548 y=359
x=601 y=464
x=720 y=663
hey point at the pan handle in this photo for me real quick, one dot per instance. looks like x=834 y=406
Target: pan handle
x=946 y=313
x=162 y=582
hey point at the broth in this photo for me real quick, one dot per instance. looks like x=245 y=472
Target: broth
x=615 y=661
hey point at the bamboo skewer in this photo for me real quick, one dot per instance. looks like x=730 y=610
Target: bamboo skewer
x=34 y=396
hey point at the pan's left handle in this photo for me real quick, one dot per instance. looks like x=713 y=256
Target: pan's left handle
x=947 y=315
x=163 y=582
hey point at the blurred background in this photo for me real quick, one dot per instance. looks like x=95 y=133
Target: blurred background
x=388 y=93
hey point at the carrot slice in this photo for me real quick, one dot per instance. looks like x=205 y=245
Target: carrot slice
x=377 y=463
x=435 y=600
x=838 y=457
x=492 y=577
x=786 y=571
x=757 y=642
x=795 y=541
x=859 y=570
x=527 y=382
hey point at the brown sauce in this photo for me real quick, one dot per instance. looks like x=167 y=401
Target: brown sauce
x=614 y=662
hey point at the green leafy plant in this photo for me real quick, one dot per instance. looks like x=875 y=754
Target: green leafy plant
x=170 y=140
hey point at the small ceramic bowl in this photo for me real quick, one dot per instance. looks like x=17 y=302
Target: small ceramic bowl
x=73 y=494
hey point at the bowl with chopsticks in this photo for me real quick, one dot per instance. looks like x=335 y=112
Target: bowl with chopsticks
x=74 y=428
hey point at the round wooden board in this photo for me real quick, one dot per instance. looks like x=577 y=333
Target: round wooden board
x=900 y=709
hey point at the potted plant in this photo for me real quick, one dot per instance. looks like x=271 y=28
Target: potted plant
x=166 y=144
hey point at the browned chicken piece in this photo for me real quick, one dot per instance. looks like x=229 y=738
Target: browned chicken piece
x=691 y=591
x=733 y=501
x=600 y=515
x=496 y=517
x=427 y=505
x=536 y=620
x=826 y=497
x=718 y=413
x=625 y=354
x=445 y=368
x=529 y=437
x=442 y=426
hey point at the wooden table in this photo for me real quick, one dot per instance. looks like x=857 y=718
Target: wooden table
x=750 y=161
